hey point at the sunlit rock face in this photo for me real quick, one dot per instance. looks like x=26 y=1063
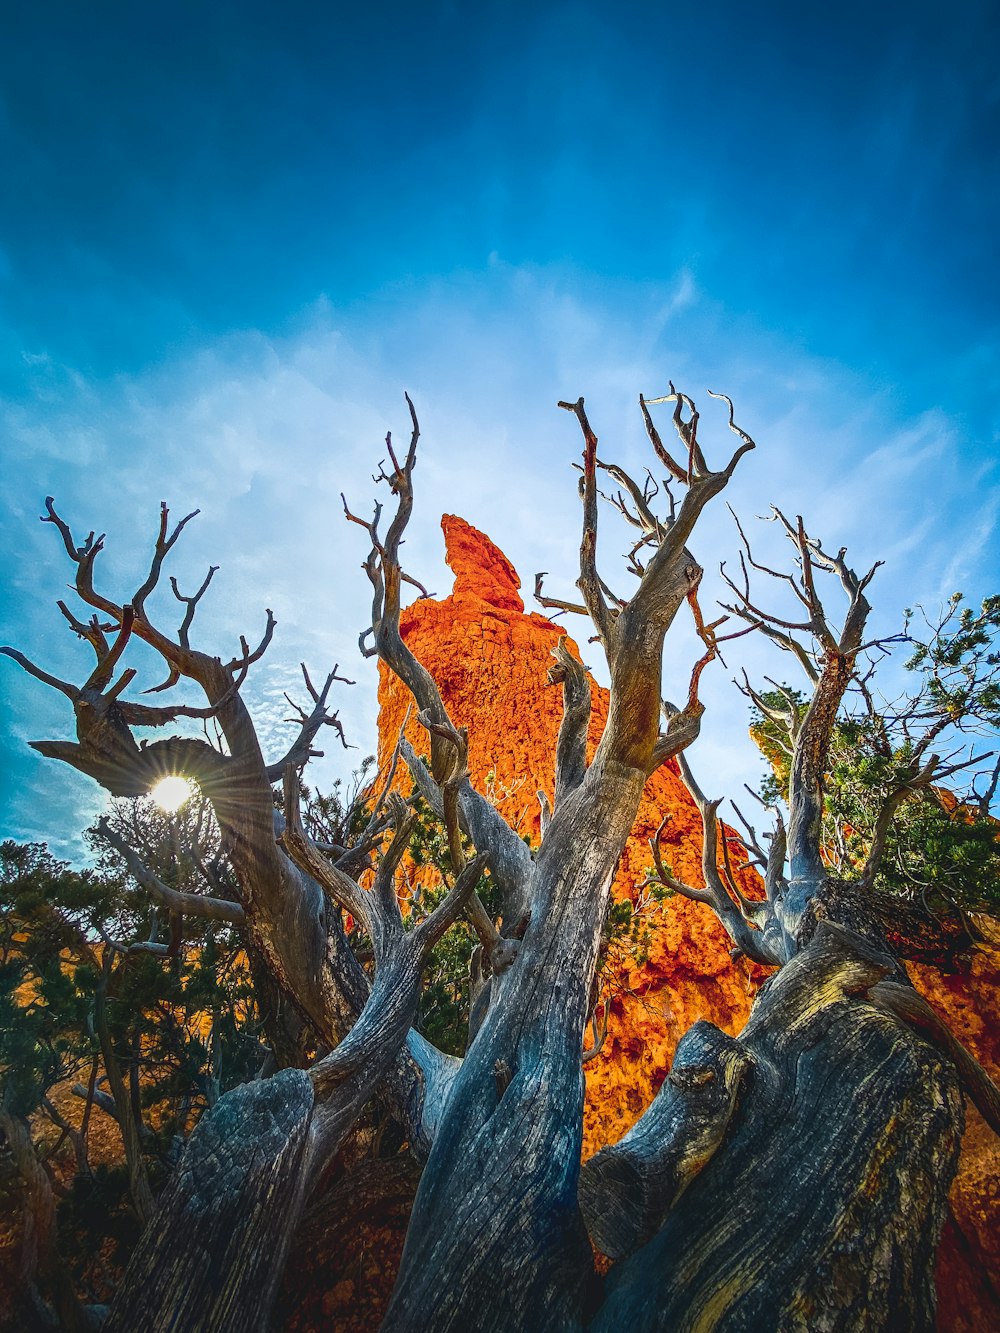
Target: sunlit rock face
x=490 y=659
x=969 y=1258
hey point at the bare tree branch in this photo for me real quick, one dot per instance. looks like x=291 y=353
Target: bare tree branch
x=510 y=860
x=748 y=923
x=589 y=581
x=189 y=904
x=571 y=746
x=71 y=692
x=554 y=603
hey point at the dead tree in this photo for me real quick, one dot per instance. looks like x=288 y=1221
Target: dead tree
x=504 y=1166
x=292 y=921
x=792 y=1177
x=835 y=1117
x=215 y=1249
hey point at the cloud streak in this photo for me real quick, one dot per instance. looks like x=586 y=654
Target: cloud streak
x=262 y=433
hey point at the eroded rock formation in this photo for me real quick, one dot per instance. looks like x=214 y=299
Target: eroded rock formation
x=490 y=659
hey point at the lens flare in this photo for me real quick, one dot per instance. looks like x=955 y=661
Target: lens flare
x=171 y=793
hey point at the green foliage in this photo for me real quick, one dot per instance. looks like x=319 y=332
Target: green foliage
x=183 y=1027
x=937 y=846
x=42 y=1008
x=628 y=926
x=960 y=663
x=339 y=815
x=941 y=844
x=443 y=1015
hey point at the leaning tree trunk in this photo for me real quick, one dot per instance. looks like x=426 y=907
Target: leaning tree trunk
x=795 y=1178
x=215 y=1250
x=504 y=1166
x=496 y=1210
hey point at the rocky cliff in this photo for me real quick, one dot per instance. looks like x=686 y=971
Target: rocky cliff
x=490 y=659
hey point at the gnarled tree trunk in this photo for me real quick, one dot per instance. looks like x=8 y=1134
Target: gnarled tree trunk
x=823 y=1207
x=212 y=1257
x=792 y=1177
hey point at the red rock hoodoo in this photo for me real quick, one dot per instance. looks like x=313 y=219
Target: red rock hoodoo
x=490 y=661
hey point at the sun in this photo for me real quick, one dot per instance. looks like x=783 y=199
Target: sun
x=171 y=793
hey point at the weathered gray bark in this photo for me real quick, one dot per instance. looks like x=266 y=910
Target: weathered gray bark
x=497 y=1208
x=213 y=1255
x=503 y=1167
x=626 y=1191
x=825 y=1207
x=793 y=1177
x=797 y=1177
x=209 y=1262
x=214 y=1252
x=816 y=1213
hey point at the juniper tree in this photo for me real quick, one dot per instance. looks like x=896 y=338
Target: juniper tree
x=795 y=1175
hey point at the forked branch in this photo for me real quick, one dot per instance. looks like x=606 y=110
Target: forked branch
x=376 y=908
x=836 y=652
x=510 y=859
x=632 y=630
x=749 y=923
x=309 y=724
x=589 y=581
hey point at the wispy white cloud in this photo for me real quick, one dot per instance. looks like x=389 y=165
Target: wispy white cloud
x=263 y=433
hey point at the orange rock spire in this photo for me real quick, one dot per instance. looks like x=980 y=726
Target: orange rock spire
x=490 y=659
x=482 y=571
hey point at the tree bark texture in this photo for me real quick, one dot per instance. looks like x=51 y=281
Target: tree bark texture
x=496 y=1207
x=824 y=1208
x=213 y=1254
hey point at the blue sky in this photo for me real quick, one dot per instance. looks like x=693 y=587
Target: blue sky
x=231 y=235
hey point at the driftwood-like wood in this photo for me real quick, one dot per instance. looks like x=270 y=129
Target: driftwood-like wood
x=627 y=1190
x=214 y=1251
x=212 y=1256
x=287 y=920
x=824 y=1210
x=793 y=1177
x=497 y=1206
